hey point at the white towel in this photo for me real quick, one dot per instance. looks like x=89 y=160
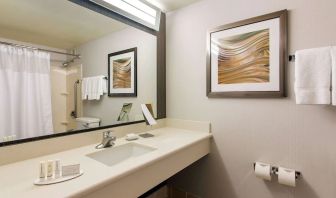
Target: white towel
x=93 y=87
x=102 y=84
x=333 y=76
x=313 y=76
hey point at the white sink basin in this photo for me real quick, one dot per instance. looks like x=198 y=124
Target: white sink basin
x=114 y=155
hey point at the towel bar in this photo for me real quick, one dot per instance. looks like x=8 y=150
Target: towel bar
x=291 y=58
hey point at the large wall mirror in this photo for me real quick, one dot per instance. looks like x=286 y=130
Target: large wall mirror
x=73 y=66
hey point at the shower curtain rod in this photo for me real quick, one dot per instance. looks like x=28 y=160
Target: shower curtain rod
x=39 y=49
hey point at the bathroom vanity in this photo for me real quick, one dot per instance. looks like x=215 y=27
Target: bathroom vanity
x=128 y=169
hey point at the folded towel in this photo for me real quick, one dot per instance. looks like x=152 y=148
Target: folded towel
x=102 y=84
x=93 y=87
x=313 y=76
x=333 y=76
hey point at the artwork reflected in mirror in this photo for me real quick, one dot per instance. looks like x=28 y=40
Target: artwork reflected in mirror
x=63 y=85
x=122 y=73
x=122 y=67
x=124 y=113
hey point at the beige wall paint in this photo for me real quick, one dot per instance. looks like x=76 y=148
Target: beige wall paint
x=247 y=130
x=170 y=5
x=94 y=60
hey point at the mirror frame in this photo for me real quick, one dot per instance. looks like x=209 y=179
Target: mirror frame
x=160 y=77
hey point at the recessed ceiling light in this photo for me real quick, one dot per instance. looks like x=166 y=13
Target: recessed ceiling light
x=138 y=10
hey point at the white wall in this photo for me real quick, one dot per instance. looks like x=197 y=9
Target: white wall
x=94 y=59
x=247 y=130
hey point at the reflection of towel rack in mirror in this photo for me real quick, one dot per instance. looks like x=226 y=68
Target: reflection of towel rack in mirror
x=74 y=113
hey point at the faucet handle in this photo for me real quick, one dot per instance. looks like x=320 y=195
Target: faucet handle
x=108 y=140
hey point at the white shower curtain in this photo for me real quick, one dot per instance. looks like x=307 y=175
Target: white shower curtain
x=25 y=95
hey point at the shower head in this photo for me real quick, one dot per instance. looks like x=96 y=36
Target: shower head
x=67 y=63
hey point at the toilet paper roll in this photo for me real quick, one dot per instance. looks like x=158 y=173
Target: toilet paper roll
x=286 y=176
x=263 y=171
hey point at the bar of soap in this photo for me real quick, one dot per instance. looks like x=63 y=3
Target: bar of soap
x=70 y=170
x=131 y=137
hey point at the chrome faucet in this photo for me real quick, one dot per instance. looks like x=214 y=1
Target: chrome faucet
x=108 y=140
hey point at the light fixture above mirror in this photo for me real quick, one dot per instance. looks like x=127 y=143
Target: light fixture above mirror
x=137 y=10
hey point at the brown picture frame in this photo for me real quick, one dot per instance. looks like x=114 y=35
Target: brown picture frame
x=282 y=15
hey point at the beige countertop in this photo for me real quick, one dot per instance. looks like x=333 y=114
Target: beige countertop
x=17 y=178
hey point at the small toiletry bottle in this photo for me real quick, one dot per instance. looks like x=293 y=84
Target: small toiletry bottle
x=50 y=168
x=57 y=172
x=42 y=170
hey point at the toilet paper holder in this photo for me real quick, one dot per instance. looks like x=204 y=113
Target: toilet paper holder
x=275 y=170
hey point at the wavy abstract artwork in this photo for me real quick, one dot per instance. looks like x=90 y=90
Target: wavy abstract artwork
x=122 y=71
x=244 y=58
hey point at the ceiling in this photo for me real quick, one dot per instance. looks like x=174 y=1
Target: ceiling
x=170 y=5
x=54 y=23
x=61 y=23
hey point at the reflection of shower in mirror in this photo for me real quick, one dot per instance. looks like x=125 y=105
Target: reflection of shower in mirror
x=39 y=68
x=68 y=62
x=64 y=98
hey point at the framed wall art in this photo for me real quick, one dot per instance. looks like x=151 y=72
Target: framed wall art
x=122 y=73
x=248 y=58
